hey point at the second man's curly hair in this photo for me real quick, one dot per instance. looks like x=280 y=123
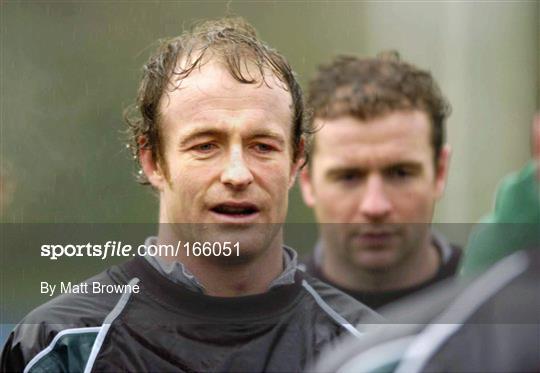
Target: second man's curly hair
x=369 y=88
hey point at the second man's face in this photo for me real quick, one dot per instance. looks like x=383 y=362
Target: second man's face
x=375 y=179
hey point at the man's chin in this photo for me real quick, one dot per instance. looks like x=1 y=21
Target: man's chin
x=375 y=260
x=238 y=232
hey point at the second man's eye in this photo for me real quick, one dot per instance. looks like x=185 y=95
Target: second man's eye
x=399 y=173
x=350 y=176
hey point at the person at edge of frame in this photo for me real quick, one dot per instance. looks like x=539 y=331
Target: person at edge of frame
x=219 y=132
x=378 y=166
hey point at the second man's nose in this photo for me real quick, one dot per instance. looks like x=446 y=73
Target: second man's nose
x=375 y=204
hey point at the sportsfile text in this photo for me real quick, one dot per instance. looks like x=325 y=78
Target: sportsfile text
x=119 y=249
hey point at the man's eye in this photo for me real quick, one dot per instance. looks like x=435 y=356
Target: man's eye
x=399 y=173
x=264 y=148
x=349 y=177
x=205 y=148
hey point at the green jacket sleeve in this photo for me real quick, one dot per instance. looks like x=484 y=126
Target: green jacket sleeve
x=513 y=225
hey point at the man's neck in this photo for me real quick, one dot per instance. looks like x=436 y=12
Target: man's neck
x=414 y=271
x=223 y=278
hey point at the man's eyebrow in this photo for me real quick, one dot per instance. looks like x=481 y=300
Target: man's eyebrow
x=197 y=133
x=216 y=132
x=412 y=164
x=265 y=133
x=339 y=170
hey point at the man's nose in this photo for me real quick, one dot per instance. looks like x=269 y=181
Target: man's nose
x=375 y=204
x=236 y=173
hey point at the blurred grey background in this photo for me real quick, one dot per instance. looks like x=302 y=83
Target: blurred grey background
x=69 y=68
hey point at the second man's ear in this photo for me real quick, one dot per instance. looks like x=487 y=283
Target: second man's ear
x=441 y=171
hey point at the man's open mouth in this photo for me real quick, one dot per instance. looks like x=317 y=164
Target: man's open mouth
x=235 y=209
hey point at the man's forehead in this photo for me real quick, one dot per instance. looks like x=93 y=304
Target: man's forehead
x=400 y=127
x=370 y=158
x=211 y=82
x=404 y=137
x=211 y=96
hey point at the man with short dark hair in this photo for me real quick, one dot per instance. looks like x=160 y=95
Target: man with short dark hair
x=379 y=164
x=219 y=135
x=486 y=321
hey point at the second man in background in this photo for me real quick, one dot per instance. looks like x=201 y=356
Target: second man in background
x=379 y=164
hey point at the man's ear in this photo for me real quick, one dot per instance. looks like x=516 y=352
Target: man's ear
x=441 y=170
x=151 y=167
x=306 y=187
x=295 y=166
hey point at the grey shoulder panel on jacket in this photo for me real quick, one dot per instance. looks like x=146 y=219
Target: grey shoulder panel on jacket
x=387 y=341
x=349 y=308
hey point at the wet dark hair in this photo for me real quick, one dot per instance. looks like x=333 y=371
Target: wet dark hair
x=369 y=88
x=231 y=41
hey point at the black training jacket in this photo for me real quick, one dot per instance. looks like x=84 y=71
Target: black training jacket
x=489 y=323
x=168 y=328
